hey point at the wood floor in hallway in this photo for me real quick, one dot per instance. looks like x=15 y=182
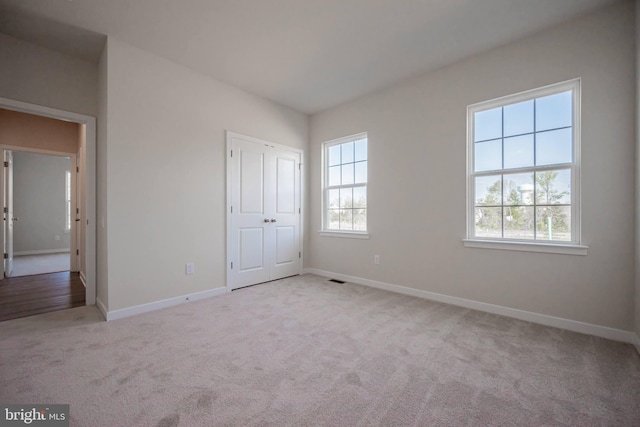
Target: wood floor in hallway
x=29 y=295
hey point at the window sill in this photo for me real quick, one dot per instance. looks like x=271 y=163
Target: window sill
x=346 y=234
x=551 y=248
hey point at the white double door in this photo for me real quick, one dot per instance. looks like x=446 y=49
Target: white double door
x=264 y=208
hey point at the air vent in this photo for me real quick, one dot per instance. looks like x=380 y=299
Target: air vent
x=336 y=281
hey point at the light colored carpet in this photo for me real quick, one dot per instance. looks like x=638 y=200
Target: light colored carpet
x=27 y=265
x=303 y=352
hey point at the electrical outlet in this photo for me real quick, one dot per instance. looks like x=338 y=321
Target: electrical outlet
x=189 y=268
x=376 y=259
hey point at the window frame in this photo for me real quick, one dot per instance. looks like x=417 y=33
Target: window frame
x=572 y=247
x=325 y=230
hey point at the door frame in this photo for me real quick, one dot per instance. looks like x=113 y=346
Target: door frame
x=74 y=232
x=229 y=138
x=90 y=180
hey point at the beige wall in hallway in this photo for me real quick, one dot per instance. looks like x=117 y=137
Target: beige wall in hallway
x=42 y=133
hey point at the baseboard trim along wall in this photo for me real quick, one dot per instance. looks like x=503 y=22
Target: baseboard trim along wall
x=157 y=305
x=101 y=307
x=42 y=252
x=542 y=319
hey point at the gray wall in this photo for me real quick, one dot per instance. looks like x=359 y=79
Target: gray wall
x=637 y=193
x=417 y=171
x=39 y=203
x=41 y=76
x=163 y=149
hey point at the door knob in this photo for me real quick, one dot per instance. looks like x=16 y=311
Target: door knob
x=266 y=220
x=273 y=220
x=15 y=218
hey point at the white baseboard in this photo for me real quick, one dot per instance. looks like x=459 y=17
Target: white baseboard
x=101 y=307
x=157 y=305
x=83 y=279
x=542 y=319
x=42 y=252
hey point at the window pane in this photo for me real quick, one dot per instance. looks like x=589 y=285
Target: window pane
x=553 y=111
x=518 y=118
x=347 y=152
x=334 y=219
x=518 y=189
x=553 y=223
x=334 y=155
x=518 y=151
x=553 y=187
x=347 y=174
x=361 y=150
x=488 y=155
x=361 y=172
x=346 y=198
x=488 y=190
x=359 y=219
x=360 y=197
x=346 y=219
x=488 y=222
x=334 y=175
x=487 y=125
x=334 y=199
x=553 y=147
x=518 y=222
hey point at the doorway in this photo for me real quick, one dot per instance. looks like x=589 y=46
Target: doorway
x=87 y=224
x=41 y=222
x=264 y=216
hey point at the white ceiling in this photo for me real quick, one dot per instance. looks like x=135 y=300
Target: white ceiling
x=306 y=54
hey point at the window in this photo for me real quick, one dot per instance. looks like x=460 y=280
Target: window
x=67 y=198
x=523 y=167
x=345 y=185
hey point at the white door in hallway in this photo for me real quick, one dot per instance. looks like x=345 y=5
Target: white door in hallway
x=264 y=211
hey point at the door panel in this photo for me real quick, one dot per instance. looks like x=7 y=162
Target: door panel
x=251 y=182
x=285 y=246
x=251 y=249
x=285 y=185
x=265 y=216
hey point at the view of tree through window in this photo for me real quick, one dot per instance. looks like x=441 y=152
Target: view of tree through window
x=523 y=166
x=346 y=184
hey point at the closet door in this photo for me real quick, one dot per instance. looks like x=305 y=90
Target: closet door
x=264 y=215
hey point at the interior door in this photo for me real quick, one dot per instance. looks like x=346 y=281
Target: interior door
x=285 y=178
x=9 y=218
x=264 y=212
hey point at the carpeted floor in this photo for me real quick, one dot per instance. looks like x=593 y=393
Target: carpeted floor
x=303 y=352
x=27 y=265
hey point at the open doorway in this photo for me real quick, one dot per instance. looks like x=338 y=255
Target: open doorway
x=41 y=225
x=77 y=284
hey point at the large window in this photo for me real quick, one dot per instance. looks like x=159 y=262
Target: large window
x=523 y=167
x=345 y=184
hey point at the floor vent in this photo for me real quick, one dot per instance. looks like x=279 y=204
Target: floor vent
x=336 y=281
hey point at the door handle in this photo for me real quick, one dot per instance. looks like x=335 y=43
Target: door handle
x=15 y=218
x=266 y=220
x=273 y=220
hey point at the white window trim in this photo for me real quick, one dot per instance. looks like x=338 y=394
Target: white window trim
x=575 y=247
x=324 y=231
